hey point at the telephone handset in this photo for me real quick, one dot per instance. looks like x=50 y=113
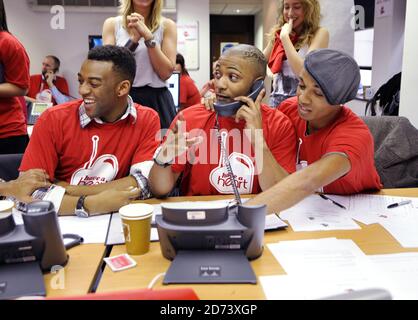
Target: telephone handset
x=230 y=109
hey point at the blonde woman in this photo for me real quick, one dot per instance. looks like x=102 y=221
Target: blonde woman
x=296 y=33
x=153 y=40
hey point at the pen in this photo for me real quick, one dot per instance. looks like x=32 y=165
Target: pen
x=397 y=204
x=334 y=202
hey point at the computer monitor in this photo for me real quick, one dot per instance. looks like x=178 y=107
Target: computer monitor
x=173 y=85
x=95 y=41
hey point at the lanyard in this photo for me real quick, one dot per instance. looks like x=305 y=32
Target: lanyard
x=227 y=163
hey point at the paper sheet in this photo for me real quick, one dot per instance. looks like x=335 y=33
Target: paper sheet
x=401 y=270
x=319 y=268
x=316 y=214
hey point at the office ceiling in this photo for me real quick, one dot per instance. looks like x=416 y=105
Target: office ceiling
x=235 y=7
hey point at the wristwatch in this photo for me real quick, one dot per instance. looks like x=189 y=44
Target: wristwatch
x=151 y=43
x=80 y=211
x=158 y=162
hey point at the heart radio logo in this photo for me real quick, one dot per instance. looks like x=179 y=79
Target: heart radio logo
x=101 y=170
x=242 y=167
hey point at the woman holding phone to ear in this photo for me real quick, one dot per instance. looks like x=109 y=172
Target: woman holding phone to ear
x=296 y=33
x=153 y=39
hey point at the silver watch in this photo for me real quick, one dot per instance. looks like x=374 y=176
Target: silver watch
x=151 y=43
x=80 y=211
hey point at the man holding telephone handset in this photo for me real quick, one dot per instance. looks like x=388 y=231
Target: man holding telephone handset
x=48 y=87
x=243 y=138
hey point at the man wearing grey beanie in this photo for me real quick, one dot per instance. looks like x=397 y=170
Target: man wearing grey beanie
x=335 y=147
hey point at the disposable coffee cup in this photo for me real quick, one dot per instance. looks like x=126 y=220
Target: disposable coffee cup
x=136 y=222
x=6 y=207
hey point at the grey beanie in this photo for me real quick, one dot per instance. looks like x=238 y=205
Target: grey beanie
x=336 y=73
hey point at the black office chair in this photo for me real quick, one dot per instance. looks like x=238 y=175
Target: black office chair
x=396 y=150
x=9 y=166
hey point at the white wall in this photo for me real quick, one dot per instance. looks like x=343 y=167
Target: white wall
x=408 y=104
x=192 y=10
x=70 y=45
x=388 y=44
x=259 y=30
x=337 y=17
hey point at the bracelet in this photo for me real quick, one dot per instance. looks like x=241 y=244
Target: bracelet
x=131 y=45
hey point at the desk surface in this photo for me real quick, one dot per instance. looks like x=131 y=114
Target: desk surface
x=78 y=275
x=372 y=239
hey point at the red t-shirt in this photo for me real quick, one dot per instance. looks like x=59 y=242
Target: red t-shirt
x=38 y=84
x=348 y=135
x=208 y=175
x=98 y=153
x=15 y=65
x=189 y=94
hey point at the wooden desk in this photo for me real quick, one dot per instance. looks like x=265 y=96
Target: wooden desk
x=79 y=274
x=372 y=239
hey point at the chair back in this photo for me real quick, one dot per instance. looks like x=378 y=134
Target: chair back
x=396 y=150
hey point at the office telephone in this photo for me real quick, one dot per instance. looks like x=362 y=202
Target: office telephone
x=35 y=110
x=230 y=109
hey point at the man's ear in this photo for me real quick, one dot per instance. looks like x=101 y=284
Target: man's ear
x=123 y=88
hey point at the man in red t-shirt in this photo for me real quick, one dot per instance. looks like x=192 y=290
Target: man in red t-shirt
x=48 y=86
x=100 y=148
x=336 y=149
x=14 y=82
x=257 y=142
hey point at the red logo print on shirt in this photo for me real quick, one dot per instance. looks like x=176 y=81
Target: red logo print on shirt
x=101 y=170
x=242 y=167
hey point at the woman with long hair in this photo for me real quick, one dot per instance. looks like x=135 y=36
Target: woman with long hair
x=189 y=94
x=296 y=33
x=14 y=83
x=153 y=40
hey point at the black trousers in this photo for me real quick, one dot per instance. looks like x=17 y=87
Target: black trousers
x=159 y=99
x=13 y=145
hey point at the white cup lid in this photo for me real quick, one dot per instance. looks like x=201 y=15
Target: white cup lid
x=136 y=211
x=6 y=205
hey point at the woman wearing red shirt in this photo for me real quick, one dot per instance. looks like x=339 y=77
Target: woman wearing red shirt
x=189 y=94
x=14 y=82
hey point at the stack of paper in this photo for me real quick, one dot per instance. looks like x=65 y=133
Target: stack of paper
x=317 y=214
x=319 y=268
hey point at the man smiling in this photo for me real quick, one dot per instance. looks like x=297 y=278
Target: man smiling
x=98 y=148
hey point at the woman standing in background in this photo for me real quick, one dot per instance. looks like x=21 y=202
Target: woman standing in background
x=14 y=82
x=153 y=40
x=189 y=94
x=296 y=33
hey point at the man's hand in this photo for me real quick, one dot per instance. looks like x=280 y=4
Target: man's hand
x=27 y=183
x=250 y=112
x=110 y=200
x=178 y=142
x=50 y=77
x=208 y=101
x=286 y=29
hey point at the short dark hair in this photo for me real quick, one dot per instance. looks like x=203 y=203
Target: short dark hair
x=253 y=54
x=57 y=62
x=122 y=58
x=3 y=20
